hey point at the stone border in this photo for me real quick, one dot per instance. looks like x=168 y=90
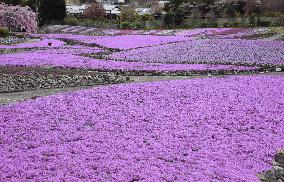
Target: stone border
x=15 y=79
x=276 y=174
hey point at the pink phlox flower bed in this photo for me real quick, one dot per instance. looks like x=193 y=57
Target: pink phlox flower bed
x=35 y=44
x=76 y=50
x=118 y=42
x=70 y=57
x=80 y=38
x=186 y=32
x=136 y=41
x=221 y=51
x=206 y=31
x=212 y=129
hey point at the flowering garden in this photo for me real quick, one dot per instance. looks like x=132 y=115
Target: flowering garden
x=225 y=128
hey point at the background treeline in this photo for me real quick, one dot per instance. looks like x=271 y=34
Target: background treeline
x=175 y=14
x=180 y=11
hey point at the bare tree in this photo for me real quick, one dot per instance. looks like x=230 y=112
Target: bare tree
x=94 y=11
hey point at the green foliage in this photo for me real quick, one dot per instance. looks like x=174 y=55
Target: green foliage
x=231 y=9
x=168 y=19
x=265 y=23
x=70 y=21
x=21 y=36
x=124 y=25
x=213 y=24
x=139 y=26
x=227 y=24
x=236 y=24
x=52 y=10
x=204 y=25
x=13 y=2
x=275 y=24
x=177 y=11
x=129 y=15
x=272 y=14
x=4 y=32
x=147 y=18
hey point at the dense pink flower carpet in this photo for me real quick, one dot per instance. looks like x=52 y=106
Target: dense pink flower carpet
x=211 y=129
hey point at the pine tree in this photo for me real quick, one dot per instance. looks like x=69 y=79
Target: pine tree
x=52 y=10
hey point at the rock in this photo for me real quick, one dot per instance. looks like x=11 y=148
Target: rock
x=11 y=81
x=276 y=174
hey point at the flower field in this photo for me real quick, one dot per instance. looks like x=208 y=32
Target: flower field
x=118 y=42
x=212 y=129
x=68 y=57
x=204 y=127
x=147 y=53
x=223 y=32
x=257 y=52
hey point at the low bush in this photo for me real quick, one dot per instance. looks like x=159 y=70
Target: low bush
x=71 y=21
x=264 y=23
x=227 y=24
x=276 y=24
x=147 y=18
x=213 y=24
x=204 y=25
x=21 y=36
x=139 y=26
x=272 y=14
x=4 y=32
x=236 y=24
x=125 y=25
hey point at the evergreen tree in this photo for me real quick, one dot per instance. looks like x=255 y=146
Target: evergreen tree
x=13 y=2
x=52 y=10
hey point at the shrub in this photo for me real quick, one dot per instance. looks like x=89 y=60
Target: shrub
x=125 y=25
x=275 y=24
x=129 y=15
x=227 y=24
x=236 y=24
x=13 y=2
x=139 y=26
x=71 y=21
x=264 y=23
x=147 y=17
x=204 y=25
x=4 y=32
x=21 y=36
x=272 y=14
x=213 y=24
x=52 y=10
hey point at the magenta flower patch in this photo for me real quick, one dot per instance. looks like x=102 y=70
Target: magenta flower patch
x=69 y=56
x=118 y=42
x=213 y=129
x=136 y=41
x=221 y=51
